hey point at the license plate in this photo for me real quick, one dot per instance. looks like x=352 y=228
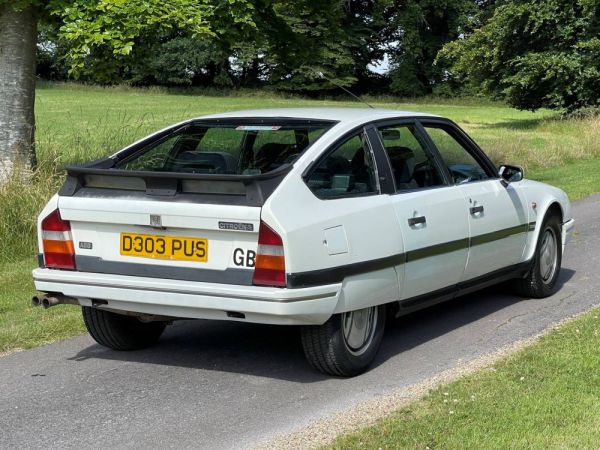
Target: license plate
x=164 y=247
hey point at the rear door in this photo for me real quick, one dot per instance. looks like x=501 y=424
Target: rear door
x=497 y=215
x=431 y=215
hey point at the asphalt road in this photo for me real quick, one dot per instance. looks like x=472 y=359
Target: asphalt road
x=232 y=385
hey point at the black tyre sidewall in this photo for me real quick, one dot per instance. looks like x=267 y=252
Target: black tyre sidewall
x=546 y=289
x=349 y=363
x=120 y=332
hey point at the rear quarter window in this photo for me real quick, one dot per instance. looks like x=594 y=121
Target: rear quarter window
x=347 y=171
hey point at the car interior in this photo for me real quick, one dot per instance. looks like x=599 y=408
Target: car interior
x=224 y=150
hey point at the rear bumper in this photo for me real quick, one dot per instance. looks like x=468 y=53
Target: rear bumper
x=567 y=232
x=195 y=300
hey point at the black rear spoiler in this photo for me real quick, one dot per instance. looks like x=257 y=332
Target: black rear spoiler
x=97 y=179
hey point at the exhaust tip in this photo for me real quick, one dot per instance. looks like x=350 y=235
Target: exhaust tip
x=47 y=302
x=36 y=301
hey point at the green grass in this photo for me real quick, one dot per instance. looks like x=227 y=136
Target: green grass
x=579 y=179
x=545 y=396
x=23 y=326
x=77 y=123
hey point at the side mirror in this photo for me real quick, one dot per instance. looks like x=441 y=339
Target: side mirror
x=511 y=174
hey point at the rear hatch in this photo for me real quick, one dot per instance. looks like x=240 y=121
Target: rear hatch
x=163 y=239
x=184 y=203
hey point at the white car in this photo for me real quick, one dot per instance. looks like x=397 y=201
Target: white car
x=325 y=218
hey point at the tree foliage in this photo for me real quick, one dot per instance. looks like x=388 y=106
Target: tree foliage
x=280 y=43
x=534 y=54
x=100 y=39
x=416 y=31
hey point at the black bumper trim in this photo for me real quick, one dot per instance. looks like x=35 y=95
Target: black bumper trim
x=92 y=264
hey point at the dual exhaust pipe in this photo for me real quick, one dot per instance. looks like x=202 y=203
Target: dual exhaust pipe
x=49 y=300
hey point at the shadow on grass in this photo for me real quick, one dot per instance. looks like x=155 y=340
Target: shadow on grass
x=276 y=352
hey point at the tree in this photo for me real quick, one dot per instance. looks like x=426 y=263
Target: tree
x=105 y=30
x=18 y=34
x=416 y=31
x=297 y=39
x=543 y=54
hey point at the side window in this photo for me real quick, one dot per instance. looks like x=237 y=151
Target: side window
x=347 y=171
x=463 y=167
x=412 y=165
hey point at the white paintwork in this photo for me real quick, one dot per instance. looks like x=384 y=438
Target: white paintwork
x=317 y=235
x=100 y=221
x=190 y=299
x=567 y=233
x=543 y=195
x=504 y=207
x=361 y=115
x=335 y=240
x=446 y=221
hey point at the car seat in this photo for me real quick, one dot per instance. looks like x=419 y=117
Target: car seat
x=267 y=156
x=203 y=162
x=402 y=160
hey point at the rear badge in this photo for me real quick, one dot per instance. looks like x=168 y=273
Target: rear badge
x=236 y=226
x=155 y=221
x=85 y=245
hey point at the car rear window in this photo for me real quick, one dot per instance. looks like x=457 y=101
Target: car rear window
x=232 y=148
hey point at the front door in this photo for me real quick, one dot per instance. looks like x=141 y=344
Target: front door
x=431 y=215
x=497 y=215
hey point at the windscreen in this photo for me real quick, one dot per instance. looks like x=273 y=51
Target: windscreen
x=235 y=149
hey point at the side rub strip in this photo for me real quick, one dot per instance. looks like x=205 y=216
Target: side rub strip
x=337 y=274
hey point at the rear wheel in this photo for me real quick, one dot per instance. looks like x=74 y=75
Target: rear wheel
x=347 y=343
x=120 y=332
x=541 y=281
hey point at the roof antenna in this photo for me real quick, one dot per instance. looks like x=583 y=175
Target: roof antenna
x=322 y=75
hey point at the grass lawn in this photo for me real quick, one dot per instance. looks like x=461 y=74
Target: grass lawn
x=21 y=325
x=545 y=396
x=76 y=123
x=578 y=179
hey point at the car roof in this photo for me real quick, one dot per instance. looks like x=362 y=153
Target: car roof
x=337 y=114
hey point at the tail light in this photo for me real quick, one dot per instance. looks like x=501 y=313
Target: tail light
x=269 y=269
x=59 y=252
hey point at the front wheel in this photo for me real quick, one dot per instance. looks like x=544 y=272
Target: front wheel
x=120 y=332
x=347 y=343
x=541 y=281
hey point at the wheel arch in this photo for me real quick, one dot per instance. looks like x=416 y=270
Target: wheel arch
x=553 y=206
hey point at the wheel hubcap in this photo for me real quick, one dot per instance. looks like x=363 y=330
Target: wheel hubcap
x=359 y=329
x=548 y=256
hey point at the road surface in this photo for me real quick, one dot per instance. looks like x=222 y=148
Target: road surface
x=224 y=385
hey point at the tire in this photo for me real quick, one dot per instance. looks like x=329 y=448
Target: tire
x=338 y=348
x=120 y=332
x=541 y=281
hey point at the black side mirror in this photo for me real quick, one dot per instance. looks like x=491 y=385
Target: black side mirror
x=511 y=174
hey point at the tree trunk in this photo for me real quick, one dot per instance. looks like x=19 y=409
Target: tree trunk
x=18 y=35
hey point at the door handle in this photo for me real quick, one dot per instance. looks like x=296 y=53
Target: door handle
x=416 y=221
x=476 y=210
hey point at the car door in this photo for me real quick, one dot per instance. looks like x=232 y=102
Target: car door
x=497 y=215
x=349 y=231
x=431 y=214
